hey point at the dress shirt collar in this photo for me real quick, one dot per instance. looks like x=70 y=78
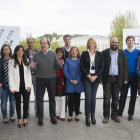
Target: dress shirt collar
x=112 y=52
x=46 y=52
x=68 y=49
x=129 y=49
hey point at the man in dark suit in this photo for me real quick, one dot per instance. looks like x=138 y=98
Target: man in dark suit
x=115 y=74
x=30 y=53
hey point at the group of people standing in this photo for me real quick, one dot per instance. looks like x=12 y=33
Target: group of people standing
x=67 y=73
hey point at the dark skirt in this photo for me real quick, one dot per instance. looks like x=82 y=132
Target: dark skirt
x=60 y=87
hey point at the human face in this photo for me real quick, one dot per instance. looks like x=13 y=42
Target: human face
x=91 y=45
x=130 y=42
x=44 y=45
x=20 y=52
x=30 y=43
x=74 y=52
x=67 y=41
x=59 y=54
x=6 y=50
x=114 y=44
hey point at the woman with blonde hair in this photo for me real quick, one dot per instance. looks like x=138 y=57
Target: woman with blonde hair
x=74 y=85
x=91 y=66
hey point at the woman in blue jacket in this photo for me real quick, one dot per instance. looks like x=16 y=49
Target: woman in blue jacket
x=74 y=85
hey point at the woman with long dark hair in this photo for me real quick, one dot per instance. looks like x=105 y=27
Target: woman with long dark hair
x=60 y=88
x=20 y=82
x=6 y=55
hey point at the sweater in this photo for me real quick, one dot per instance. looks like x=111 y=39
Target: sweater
x=131 y=60
x=46 y=64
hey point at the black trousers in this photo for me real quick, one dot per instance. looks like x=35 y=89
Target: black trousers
x=25 y=96
x=71 y=98
x=111 y=89
x=133 y=82
x=50 y=84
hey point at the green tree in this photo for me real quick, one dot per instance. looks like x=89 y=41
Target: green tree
x=120 y=22
x=54 y=45
x=82 y=48
x=23 y=43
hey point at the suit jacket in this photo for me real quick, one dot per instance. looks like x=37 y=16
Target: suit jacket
x=14 y=76
x=122 y=66
x=85 y=65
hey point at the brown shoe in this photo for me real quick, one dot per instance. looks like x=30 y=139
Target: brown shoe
x=105 y=120
x=115 y=118
x=40 y=122
x=54 y=121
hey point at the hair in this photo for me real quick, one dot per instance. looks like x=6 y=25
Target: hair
x=128 y=37
x=93 y=41
x=67 y=35
x=2 y=54
x=24 y=57
x=61 y=50
x=48 y=42
x=30 y=38
x=78 y=55
x=114 y=38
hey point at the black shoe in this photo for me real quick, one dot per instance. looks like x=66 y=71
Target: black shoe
x=88 y=121
x=20 y=125
x=12 y=120
x=80 y=112
x=69 y=120
x=40 y=122
x=93 y=119
x=25 y=124
x=130 y=118
x=77 y=119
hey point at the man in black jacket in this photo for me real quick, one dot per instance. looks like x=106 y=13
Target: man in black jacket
x=114 y=75
x=30 y=53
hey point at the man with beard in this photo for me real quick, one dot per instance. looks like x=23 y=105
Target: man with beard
x=131 y=54
x=114 y=75
x=30 y=53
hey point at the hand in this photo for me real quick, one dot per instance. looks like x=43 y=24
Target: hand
x=28 y=89
x=33 y=64
x=125 y=82
x=75 y=82
x=13 y=92
x=93 y=78
x=0 y=85
x=61 y=62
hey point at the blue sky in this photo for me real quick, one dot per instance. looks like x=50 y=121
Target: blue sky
x=63 y=16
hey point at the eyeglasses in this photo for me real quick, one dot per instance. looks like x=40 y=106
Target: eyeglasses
x=115 y=42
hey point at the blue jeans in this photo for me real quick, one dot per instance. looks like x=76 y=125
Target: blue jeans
x=90 y=89
x=0 y=93
x=4 y=98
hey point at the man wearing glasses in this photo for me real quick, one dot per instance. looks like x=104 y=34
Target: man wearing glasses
x=131 y=54
x=45 y=62
x=114 y=75
x=30 y=53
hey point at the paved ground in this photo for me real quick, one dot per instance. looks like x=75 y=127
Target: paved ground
x=126 y=130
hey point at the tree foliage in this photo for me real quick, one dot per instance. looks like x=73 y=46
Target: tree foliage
x=82 y=48
x=54 y=45
x=120 y=22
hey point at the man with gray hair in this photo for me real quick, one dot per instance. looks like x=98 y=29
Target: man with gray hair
x=45 y=63
x=114 y=75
